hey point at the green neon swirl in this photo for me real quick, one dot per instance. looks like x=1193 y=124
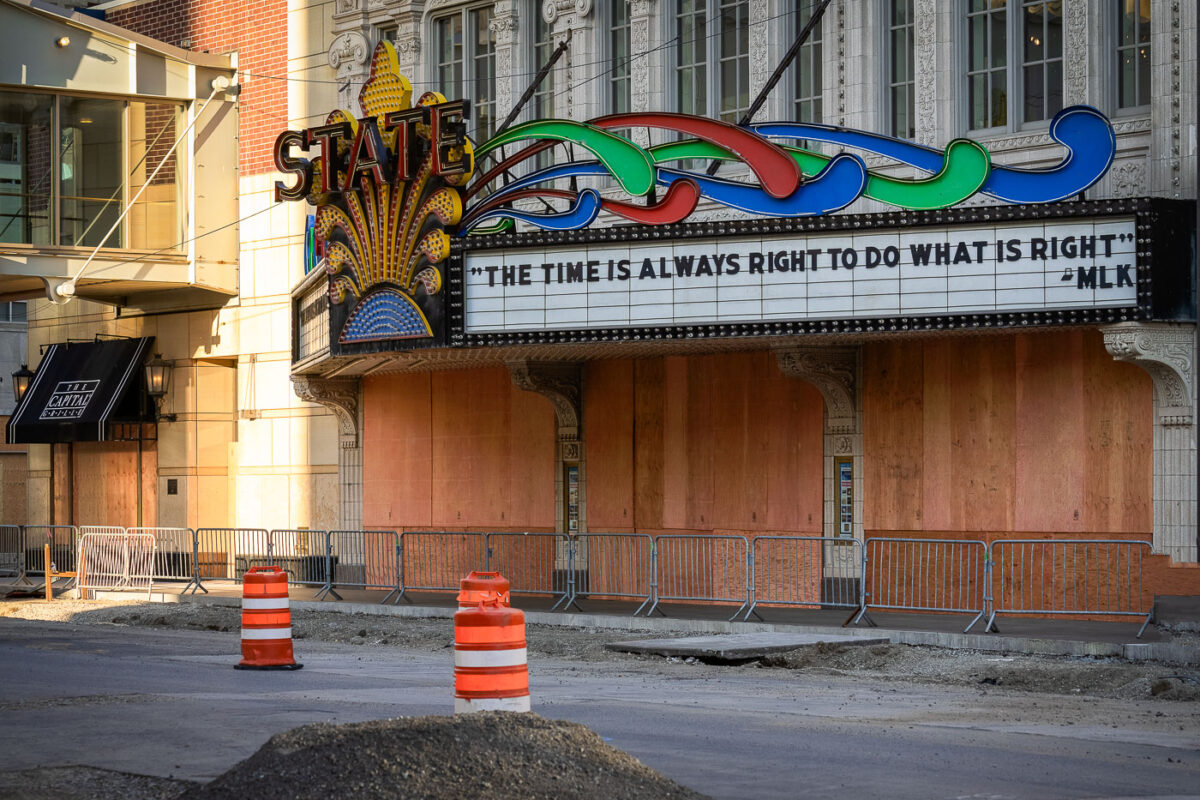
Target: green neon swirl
x=628 y=163
x=965 y=168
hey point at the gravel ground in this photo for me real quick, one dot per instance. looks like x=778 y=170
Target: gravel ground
x=402 y=767
x=1099 y=677
x=526 y=757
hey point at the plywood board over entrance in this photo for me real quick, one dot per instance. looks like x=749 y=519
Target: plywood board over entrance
x=106 y=483
x=725 y=442
x=1026 y=433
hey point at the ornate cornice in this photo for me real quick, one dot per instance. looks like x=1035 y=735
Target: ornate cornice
x=559 y=383
x=340 y=395
x=833 y=370
x=1167 y=352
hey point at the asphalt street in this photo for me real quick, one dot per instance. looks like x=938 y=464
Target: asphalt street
x=169 y=703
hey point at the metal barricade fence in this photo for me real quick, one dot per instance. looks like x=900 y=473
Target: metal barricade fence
x=366 y=560
x=534 y=563
x=174 y=553
x=805 y=571
x=438 y=560
x=12 y=552
x=614 y=565
x=702 y=568
x=225 y=554
x=947 y=575
x=62 y=540
x=1101 y=577
x=301 y=553
x=112 y=559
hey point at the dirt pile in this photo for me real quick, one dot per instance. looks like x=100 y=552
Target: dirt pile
x=493 y=755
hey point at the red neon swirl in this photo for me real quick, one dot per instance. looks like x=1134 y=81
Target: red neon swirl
x=776 y=171
x=679 y=201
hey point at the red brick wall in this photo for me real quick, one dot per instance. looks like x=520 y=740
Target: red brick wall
x=256 y=31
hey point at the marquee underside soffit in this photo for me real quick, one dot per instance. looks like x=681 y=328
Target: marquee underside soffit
x=437 y=360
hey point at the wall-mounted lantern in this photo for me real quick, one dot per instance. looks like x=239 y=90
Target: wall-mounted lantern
x=20 y=380
x=158 y=382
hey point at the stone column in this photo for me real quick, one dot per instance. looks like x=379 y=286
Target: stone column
x=560 y=384
x=350 y=51
x=934 y=80
x=408 y=50
x=566 y=18
x=341 y=397
x=1167 y=352
x=647 y=80
x=509 y=83
x=834 y=371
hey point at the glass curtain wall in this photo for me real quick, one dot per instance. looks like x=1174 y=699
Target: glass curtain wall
x=69 y=164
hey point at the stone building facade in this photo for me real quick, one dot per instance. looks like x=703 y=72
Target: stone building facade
x=1069 y=431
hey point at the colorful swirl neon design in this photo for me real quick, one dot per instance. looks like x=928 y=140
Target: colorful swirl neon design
x=791 y=180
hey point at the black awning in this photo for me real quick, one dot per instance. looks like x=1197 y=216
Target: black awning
x=79 y=388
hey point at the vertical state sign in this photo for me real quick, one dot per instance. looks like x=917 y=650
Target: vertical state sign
x=1006 y=267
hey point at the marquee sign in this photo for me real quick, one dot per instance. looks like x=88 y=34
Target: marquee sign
x=872 y=273
x=386 y=187
x=395 y=185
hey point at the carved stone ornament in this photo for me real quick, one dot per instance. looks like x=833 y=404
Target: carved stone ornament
x=505 y=26
x=1075 y=81
x=408 y=48
x=348 y=51
x=571 y=451
x=558 y=383
x=925 y=46
x=1128 y=179
x=553 y=9
x=338 y=395
x=1165 y=351
x=346 y=6
x=833 y=371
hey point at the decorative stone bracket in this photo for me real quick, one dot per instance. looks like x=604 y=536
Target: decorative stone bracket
x=339 y=395
x=1165 y=351
x=559 y=383
x=833 y=371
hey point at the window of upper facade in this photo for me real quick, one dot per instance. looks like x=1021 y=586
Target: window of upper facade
x=465 y=63
x=807 y=85
x=1132 y=53
x=386 y=33
x=1014 y=62
x=617 y=49
x=543 y=102
x=713 y=63
x=13 y=312
x=70 y=164
x=900 y=94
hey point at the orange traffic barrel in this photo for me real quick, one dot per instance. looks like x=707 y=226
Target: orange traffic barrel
x=266 y=620
x=490 y=670
x=482 y=586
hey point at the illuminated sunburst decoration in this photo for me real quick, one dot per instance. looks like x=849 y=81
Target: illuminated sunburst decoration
x=386 y=186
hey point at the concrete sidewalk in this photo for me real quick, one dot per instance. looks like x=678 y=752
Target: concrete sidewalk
x=1034 y=635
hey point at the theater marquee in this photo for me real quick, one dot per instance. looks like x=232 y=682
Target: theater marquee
x=1003 y=267
x=1081 y=262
